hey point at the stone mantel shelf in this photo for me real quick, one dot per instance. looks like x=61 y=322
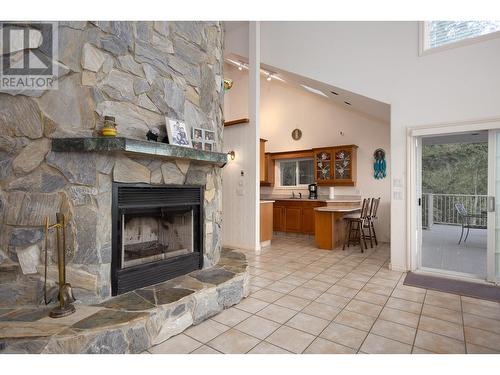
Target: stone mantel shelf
x=137 y=147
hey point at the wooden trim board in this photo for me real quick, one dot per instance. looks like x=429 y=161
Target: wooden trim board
x=237 y=122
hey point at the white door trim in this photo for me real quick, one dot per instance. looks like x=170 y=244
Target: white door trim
x=427 y=130
x=490 y=255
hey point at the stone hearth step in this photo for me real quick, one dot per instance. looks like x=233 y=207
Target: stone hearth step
x=131 y=322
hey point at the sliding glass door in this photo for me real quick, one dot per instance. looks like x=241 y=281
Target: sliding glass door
x=453 y=189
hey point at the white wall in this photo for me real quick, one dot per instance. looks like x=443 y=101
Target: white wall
x=238 y=208
x=240 y=179
x=236 y=99
x=284 y=107
x=236 y=38
x=380 y=60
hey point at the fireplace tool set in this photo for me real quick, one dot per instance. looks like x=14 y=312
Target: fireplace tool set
x=65 y=295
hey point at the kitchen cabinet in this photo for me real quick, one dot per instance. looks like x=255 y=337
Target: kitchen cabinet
x=278 y=218
x=293 y=219
x=308 y=220
x=266 y=221
x=323 y=166
x=295 y=216
x=336 y=166
x=269 y=170
x=266 y=165
x=262 y=159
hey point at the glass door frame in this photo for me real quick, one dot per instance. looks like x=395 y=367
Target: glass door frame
x=414 y=224
x=493 y=156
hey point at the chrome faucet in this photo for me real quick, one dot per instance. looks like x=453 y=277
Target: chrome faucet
x=300 y=195
x=293 y=194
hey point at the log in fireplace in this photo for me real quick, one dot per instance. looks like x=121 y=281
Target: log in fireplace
x=157 y=234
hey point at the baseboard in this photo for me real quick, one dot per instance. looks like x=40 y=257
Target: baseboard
x=233 y=246
x=265 y=244
x=398 y=269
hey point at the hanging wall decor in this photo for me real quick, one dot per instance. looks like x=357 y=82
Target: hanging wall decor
x=379 y=165
x=296 y=134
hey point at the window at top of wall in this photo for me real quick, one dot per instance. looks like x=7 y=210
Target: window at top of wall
x=444 y=34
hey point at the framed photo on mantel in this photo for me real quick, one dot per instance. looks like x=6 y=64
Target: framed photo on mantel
x=177 y=133
x=203 y=139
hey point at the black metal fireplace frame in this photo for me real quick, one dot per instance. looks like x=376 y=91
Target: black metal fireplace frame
x=127 y=279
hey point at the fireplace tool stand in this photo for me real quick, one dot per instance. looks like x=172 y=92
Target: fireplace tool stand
x=66 y=298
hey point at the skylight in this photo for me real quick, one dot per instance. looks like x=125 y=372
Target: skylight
x=315 y=91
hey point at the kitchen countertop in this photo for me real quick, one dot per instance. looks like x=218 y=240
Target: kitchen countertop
x=266 y=201
x=321 y=198
x=338 y=209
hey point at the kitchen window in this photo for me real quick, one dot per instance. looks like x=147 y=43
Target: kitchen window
x=295 y=173
x=439 y=35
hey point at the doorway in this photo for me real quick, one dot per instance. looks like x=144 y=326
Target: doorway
x=454 y=203
x=457 y=220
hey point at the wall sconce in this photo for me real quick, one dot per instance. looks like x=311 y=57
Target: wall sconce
x=231 y=155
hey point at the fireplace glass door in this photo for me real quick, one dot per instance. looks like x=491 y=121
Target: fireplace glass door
x=156 y=235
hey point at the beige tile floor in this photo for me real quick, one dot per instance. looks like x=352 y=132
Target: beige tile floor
x=306 y=300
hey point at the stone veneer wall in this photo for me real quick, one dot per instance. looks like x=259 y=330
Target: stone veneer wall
x=138 y=72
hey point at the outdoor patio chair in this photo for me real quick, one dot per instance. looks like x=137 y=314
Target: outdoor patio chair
x=465 y=219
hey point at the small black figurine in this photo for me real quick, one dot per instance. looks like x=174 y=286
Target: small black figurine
x=152 y=134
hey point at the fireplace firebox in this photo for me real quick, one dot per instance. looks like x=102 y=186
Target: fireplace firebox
x=157 y=234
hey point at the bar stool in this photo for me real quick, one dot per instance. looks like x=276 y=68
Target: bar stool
x=372 y=216
x=354 y=232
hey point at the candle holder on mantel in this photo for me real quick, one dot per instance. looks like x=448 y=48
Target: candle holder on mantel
x=109 y=127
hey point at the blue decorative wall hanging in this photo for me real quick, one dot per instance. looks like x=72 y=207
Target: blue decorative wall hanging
x=379 y=165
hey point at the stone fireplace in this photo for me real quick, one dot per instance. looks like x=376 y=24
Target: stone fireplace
x=156 y=234
x=140 y=73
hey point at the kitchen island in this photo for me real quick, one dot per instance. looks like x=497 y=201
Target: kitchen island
x=330 y=226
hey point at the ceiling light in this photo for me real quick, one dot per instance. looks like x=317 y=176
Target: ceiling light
x=278 y=78
x=271 y=75
x=239 y=64
x=347 y=103
x=315 y=91
x=334 y=93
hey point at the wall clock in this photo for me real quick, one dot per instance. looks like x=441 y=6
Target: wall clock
x=296 y=134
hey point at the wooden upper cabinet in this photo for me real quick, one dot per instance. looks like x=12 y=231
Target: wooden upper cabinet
x=344 y=165
x=323 y=166
x=269 y=167
x=262 y=156
x=266 y=165
x=336 y=166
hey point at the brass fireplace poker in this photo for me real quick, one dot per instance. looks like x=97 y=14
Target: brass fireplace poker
x=66 y=297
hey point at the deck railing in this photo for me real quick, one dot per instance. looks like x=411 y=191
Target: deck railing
x=440 y=208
